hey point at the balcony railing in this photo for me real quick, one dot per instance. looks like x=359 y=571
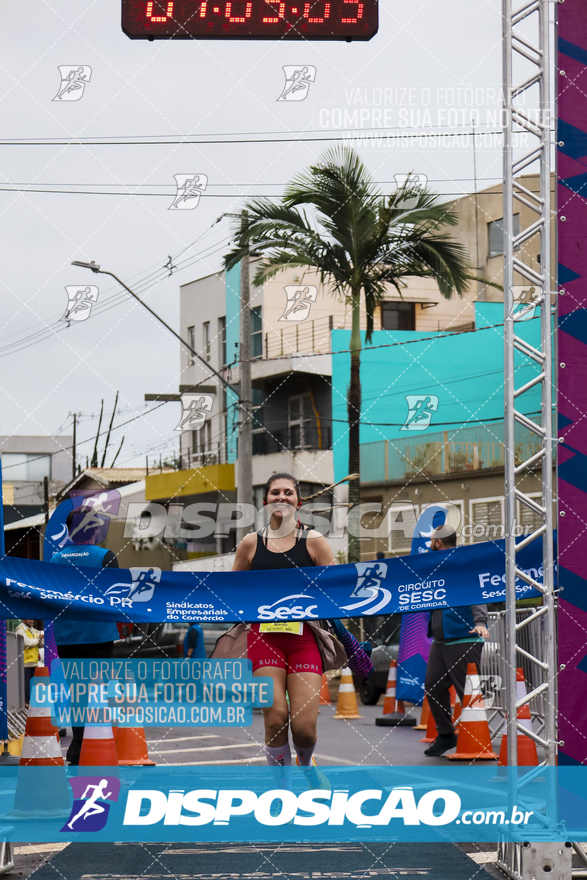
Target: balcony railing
x=473 y=448
x=306 y=337
x=288 y=439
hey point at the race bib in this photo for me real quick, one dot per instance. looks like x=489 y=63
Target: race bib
x=283 y=626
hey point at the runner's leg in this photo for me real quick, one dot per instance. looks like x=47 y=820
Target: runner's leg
x=275 y=716
x=304 y=699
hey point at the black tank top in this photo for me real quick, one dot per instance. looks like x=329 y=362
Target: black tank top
x=297 y=557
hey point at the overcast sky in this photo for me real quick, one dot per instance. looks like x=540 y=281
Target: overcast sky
x=150 y=89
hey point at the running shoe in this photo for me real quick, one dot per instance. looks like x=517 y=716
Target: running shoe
x=314 y=776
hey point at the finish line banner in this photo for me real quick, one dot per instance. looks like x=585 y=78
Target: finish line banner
x=219 y=804
x=470 y=575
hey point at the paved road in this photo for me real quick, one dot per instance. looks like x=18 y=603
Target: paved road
x=204 y=861
x=339 y=742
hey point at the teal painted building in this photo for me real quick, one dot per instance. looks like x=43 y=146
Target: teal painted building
x=429 y=398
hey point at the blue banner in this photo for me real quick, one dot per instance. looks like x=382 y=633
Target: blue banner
x=367 y=803
x=463 y=576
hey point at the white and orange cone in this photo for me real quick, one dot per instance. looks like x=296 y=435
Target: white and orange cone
x=41 y=748
x=131 y=747
x=394 y=713
x=98 y=747
x=423 y=725
x=474 y=739
x=527 y=754
x=346 y=706
x=325 y=698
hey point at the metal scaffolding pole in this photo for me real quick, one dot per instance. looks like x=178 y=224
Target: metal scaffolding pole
x=526 y=66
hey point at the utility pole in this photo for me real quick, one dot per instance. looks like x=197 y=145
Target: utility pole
x=73 y=461
x=46 y=498
x=245 y=433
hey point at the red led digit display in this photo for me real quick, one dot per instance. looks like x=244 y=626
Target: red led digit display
x=249 y=19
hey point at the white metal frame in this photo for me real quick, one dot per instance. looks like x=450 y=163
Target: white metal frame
x=516 y=45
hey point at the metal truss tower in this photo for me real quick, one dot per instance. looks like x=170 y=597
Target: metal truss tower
x=526 y=71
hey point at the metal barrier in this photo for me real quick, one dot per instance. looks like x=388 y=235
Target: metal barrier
x=493 y=664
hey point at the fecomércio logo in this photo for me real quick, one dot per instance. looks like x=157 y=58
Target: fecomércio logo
x=369 y=587
x=91 y=806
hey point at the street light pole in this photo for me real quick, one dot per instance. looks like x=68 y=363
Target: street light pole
x=245 y=433
x=95 y=267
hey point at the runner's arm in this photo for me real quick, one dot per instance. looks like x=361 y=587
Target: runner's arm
x=245 y=552
x=320 y=550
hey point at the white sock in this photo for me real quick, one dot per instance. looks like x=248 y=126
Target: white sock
x=305 y=755
x=279 y=759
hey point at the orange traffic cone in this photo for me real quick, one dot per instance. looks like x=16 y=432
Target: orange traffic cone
x=41 y=748
x=394 y=713
x=423 y=725
x=474 y=740
x=98 y=748
x=431 y=731
x=527 y=754
x=456 y=709
x=325 y=699
x=131 y=747
x=346 y=706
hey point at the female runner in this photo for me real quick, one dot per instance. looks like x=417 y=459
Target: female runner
x=287 y=650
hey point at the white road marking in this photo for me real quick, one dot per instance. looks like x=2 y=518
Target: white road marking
x=214 y=763
x=206 y=749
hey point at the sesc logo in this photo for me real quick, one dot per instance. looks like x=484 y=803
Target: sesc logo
x=287 y=612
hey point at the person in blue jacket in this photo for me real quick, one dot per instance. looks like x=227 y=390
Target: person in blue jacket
x=458 y=635
x=193 y=643
x=81 y=639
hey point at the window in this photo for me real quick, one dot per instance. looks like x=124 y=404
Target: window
x=192 y=345
x=206 y=340
x=258 y=429
x=495 y=230
x=528 y=519
x=222 y=341
x=25 y=466
x=486 y=519
x=202 y=439
x=256 y=333
x=398 y=316
x=301 y=422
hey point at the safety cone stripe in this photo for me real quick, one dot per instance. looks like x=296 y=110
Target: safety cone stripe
x=468 y=715
x=95 y=732
x=39 y=712
x=346 y=706
x=346 y=689
x=41 y=747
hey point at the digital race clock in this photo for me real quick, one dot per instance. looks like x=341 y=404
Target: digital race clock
x=249 y=19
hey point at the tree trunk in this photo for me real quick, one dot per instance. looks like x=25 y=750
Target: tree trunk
x=354 y=416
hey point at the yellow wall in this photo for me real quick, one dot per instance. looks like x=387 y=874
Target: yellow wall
x=197 y=481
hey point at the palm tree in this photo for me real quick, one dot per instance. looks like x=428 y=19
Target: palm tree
x=360 y=242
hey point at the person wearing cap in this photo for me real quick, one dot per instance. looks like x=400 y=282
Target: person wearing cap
x=458 y=635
